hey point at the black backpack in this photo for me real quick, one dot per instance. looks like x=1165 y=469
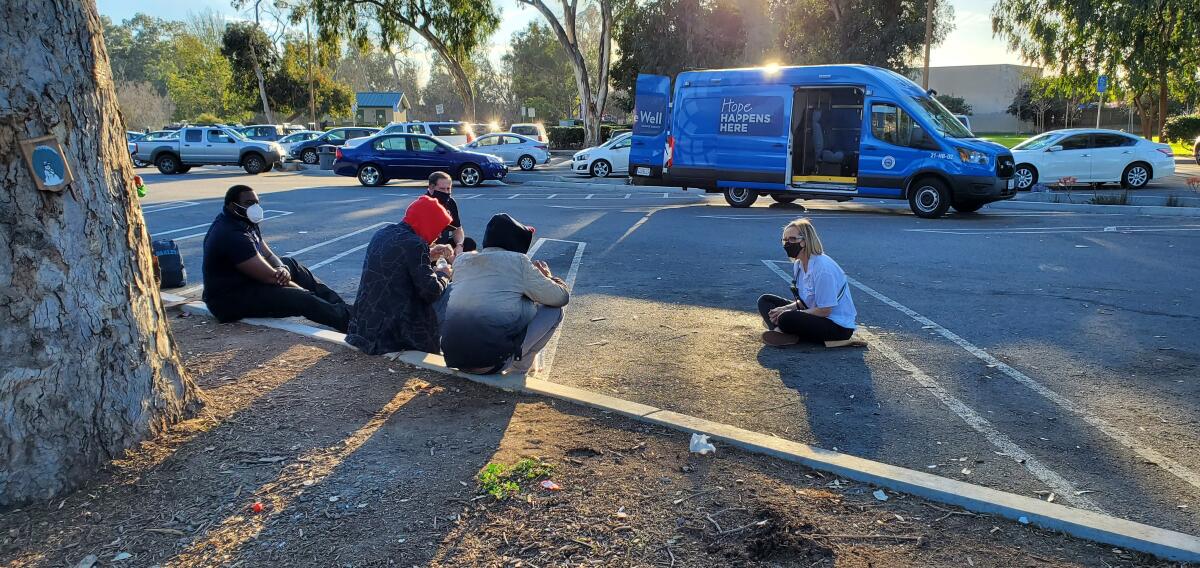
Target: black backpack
x=169 y=267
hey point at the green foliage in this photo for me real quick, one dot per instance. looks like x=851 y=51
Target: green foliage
x=501 y=481
x=288 y=86
x=956 y=105
x=885 y=33
x=248 y=49
x=206 y=118
x=565 y=137
x=542 y=76
x=137 y=48
x=664 y=37
x=199 y=80
x=1182 y=128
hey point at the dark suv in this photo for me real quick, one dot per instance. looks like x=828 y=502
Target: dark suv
x=307 y=151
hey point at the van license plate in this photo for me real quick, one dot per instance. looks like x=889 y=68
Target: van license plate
x=1012 y=183
x=643 y=171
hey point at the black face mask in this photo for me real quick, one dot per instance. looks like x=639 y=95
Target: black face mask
x=793 y=250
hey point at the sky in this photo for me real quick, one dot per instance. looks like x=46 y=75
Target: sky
x=971 y=42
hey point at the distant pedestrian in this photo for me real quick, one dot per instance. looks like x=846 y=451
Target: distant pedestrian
x=440 y=187
x=822 y=309
x=505 y=307
x=396 y=295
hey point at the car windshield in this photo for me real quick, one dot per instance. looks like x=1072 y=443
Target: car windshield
x=615 y=140
x=236 y=134
x=942 y=120
x=1036 y=143
x=297 y=137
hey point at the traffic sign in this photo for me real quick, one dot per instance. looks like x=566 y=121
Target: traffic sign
x=439 y=109
x=1102 y=84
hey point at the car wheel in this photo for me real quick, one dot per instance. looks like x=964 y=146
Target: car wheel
x=1024 y=176
x=968 y=206
x=526 y=162
x=740 y=197
x=167 y=164
x=370 y=176
x=470 y=175
x=1136 y=176
x=254 y=164
x=600 y=168
x=139 y=163
x=309 y=156
x=929 y=198
x=784 y=198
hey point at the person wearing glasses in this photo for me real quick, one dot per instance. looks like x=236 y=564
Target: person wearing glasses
x=822 y=309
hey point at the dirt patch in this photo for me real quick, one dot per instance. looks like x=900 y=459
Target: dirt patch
x=310 y=454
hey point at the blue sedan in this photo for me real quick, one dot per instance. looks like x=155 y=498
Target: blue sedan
x=414 y=156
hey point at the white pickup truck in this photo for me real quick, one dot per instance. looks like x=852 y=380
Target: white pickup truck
x=208 y=145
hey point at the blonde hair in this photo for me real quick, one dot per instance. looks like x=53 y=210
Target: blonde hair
x=812 y=242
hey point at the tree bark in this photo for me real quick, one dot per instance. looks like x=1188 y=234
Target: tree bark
x=262 y=85
x=89 y=364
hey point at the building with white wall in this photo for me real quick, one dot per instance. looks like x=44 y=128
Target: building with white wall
x=989 y=89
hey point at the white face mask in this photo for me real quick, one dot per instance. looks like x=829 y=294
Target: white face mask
x=254 y=213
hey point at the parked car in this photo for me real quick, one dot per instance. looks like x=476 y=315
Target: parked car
x=616 y=133
x=533 y=130
x=514 y=149
x=603 y=160
x=295 y=138
x=267 y=132
x=1091 y=156
x=481 y=129
x=307 y=151
x=147 y=137
x=454 y=133
x=208 y=145
x=414 y=156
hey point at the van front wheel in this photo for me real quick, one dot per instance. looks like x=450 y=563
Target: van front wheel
x=740 y=197
x=929 y=198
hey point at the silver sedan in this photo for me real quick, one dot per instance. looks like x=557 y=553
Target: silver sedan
x=514 y=149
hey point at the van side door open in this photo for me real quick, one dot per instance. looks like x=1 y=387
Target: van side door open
x=826 y=133
x=648 y=154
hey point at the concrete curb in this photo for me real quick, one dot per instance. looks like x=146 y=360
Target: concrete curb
x=1126 y=534
x=1148 y=210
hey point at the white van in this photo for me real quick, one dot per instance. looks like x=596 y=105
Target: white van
x=454 y=133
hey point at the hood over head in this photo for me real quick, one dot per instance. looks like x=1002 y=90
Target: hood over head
x=507 y=233
x=427 y=218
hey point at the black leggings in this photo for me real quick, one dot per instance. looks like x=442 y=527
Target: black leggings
x=807 y=327
x=313 y=300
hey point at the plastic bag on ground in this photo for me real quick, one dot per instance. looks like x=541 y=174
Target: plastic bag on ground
x=701 y=446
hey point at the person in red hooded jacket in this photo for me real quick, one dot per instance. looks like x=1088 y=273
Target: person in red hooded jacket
x=399 y=286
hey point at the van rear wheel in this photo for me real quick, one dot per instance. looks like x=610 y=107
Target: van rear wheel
x=929 y=198
x=740 y=197
x=784 y=198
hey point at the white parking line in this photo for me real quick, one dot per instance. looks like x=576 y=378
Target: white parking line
x=514 y=196
x=1061 y=230
x=977 y=422
x=194 y=235
x=336 y=239
x=338 y=257
x=1120 y=436
x=552 y=346
x=156 y=207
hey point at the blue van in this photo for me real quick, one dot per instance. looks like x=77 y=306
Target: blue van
x=818 y=132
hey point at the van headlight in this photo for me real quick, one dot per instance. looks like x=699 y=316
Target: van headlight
x=972 y=157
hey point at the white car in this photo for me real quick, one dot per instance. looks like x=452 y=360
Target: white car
x=454 y=133
x=514 y=149
x=533 y=130
x=295 y=138
x=1091 y=156
x=601 y=161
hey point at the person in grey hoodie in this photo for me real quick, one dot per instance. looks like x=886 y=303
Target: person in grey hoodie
x=503 y=307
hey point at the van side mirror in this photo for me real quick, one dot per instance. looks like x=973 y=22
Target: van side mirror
x=1055 y=148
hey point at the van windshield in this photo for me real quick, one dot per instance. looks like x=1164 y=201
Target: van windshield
x=942 y=120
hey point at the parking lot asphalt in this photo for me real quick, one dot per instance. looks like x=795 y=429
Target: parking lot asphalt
x=1036 y=352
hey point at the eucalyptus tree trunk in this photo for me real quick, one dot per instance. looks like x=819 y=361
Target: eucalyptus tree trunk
x=89 y=365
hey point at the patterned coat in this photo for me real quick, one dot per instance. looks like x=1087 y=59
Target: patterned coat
x=394 y=307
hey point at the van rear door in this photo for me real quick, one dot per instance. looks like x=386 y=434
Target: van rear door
x=651 y=126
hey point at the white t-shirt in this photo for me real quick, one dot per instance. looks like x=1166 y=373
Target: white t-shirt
x=824 y=285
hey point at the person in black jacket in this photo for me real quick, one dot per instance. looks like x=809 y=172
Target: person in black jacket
x=394 y=309
x=440 y=187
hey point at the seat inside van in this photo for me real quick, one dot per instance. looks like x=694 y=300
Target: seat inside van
x=826 y=132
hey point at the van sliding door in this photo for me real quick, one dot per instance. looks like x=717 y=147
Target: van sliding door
x=825 y=138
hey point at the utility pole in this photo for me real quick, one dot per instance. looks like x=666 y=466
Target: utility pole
x=928 y=40
x=312 y=95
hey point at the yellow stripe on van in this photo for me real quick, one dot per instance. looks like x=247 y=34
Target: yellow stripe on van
x=824 y=179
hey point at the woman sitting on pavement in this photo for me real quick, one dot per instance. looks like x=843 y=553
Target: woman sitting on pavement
x=823 y=309
x=505 y=307
x=399 y=285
